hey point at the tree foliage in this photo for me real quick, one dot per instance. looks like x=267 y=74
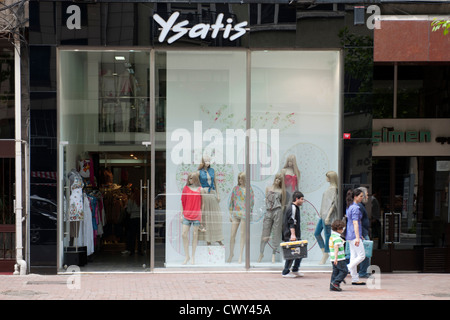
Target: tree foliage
x=437 y=24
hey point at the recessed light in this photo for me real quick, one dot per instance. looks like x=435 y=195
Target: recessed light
x=119 y=58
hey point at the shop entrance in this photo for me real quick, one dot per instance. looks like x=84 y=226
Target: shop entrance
x=410 y=225
x=117 y=236
x=106 y=200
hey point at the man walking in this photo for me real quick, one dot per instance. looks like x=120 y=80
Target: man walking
x=291 y=232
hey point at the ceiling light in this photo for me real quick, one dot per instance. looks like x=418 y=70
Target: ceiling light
x=119 y=58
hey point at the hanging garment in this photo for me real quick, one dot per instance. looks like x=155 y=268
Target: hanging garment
x=76 y=212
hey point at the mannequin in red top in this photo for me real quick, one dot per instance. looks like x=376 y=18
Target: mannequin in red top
x=291 y=176
x=191 y=200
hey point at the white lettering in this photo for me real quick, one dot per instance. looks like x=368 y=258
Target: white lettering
x=74 y=280
x=183 y=147
x=374 y=281
x=74 y=21
x=200 y=30
x=240 y=30
x=373 y=22
x=261 y=152
x=217 y=26
x=190 y=310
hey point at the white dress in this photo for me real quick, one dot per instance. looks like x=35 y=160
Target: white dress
x=76 y=212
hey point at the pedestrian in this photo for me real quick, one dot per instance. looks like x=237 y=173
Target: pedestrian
x=365 y=225
x=337 y=255
x=354 y=236
x=291 y=232
x=134 y=224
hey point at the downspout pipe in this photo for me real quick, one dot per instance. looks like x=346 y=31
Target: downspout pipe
x=20 y=268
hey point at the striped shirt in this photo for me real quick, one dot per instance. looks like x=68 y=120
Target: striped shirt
x=335 y=239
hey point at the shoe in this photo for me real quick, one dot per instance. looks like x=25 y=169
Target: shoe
x=335 y=287
x=289 y=275
x=297 y=274
x=359 y=283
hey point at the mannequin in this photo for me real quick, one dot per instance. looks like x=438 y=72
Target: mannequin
x=211 y=214
x=85 y=165
x=108 y=87
x=291 y=176
x=126 y=89
x=108 y=176
x=328 y=213
x=76 y=196
x=237 y=213
x=273 y=219
x=191 y=200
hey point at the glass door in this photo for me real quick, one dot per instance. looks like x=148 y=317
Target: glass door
x=105 y=151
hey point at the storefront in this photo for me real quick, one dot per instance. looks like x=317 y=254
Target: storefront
x=7 y=161
x=411 y=195
x=129 y=98
x=136 y=119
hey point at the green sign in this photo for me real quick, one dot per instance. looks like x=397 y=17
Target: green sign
x=389 y=135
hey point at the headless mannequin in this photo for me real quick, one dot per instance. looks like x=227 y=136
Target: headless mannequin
x=238 y=218
x=126 y=90
x=211 y=216
x=108 y=94
x=193 y=186
x=273 y=219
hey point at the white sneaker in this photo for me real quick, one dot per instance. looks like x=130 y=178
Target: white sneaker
x=297 y=274
x=289 y=275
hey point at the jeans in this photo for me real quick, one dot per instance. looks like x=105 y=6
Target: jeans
x=340 y=271
x=326 y=232
x=288 y=264
x=357 y=255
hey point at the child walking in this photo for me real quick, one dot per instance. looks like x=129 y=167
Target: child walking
x=337 y=255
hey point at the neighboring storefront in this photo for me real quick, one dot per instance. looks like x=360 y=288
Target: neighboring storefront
x=7 y=163
x=128 y=98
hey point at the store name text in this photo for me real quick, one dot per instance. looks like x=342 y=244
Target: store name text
x=392 y=136
x=199 y=30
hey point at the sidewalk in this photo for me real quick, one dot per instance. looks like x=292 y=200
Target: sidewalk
x=251 y=285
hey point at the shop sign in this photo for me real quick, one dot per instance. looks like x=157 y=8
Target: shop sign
x=200 y=30
x=394 y=136
x=410 y=137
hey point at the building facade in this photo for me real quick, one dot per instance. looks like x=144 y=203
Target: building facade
x=129 y=100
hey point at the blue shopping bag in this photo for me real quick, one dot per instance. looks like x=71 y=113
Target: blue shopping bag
x=368 y=248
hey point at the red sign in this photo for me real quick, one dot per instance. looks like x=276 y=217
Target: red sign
x=347 y=136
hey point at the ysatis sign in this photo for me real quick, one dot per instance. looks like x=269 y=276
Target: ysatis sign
x=178 y=29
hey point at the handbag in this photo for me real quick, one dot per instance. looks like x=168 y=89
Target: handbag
x=368 y=248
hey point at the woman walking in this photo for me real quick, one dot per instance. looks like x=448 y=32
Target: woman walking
x=354 y=235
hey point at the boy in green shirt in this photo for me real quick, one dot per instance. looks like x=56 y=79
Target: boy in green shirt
x=337 y=255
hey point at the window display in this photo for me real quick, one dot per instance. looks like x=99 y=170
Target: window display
x=200 y=186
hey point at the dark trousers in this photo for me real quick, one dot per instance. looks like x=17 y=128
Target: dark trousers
x=288 y=264
x=133 y=235
x=340 y=271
